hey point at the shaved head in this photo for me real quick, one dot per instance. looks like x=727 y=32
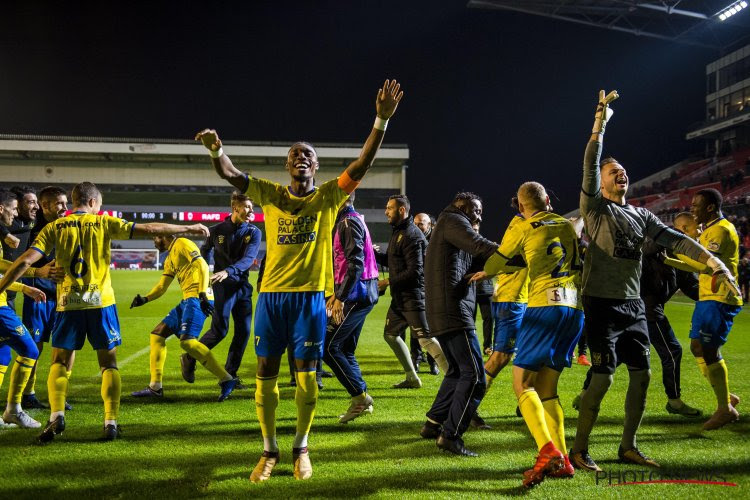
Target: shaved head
x=686 y=223
x=533 y=196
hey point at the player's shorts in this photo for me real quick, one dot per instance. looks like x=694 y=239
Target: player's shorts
x=508 y=317
x=14 y=335
x=187 y=318
x=39 y=318
x=101 y=326
x=617 y=332
x=290 y=319
x=712 y=321
x=397 y=321
x=547 y=337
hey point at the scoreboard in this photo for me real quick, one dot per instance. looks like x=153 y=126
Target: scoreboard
x=176 y=216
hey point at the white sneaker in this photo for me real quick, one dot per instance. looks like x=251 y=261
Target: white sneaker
x=356 y=409
x=22 y=419
x=4 y=425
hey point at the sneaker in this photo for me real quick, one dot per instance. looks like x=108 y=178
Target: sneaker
x=408 y=384
x=293 y=382
x=734 y=400
x=53 y=428
x=187 y=364
x=635 y=456
x=434 y=370
x=4 y=425
x=566 y=472
x=356 y=409
x=262 y=471
x=111 y=432
x=719 y=419
x=148 y=392
x=21 y=419
x=30 y=402
x=549 y=460
x=576 y=404
x=582 y=460
x=240 y=385
x=684 y=410
x=583 y=360
x=227 y=388
x=319 y=381
x=326 y=374
x=302 y=464
x=455 y=446
x=68 y=406
x=430 y=430
x=478 y=422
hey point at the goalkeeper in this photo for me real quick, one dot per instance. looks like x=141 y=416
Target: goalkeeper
x=186 y=320
x=615 y=320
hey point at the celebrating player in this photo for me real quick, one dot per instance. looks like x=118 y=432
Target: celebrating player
x=184 y=262
x=291 y=309
x=85 y=299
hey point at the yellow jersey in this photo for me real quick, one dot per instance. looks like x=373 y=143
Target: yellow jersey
x=299 y=254
x=82 y=243
x=721 y=239
x=513 y=286
x=549 y=245
x=15 y=286
x=185 y=263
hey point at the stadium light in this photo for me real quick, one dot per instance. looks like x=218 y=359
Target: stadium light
x=732 y=9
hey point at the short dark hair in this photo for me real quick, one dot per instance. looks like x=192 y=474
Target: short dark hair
x=6 y=197
x=49 y=193
x=238 y=197
x=21 y=191
x=712 y=197
x=607 y=161
x=401 y=201
x=84 y=192
x=465 y=196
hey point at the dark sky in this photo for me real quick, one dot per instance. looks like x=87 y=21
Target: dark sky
x=492 y=98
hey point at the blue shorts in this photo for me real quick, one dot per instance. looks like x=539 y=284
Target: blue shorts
x=187 y=318
x=14 y=335
x=508 y=317
x=712 y=321
x=39 y=318
x=548 y=337
x=290 y=319
x=101 y=326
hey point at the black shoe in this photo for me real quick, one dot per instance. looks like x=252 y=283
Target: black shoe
x=227 y=387
x=319 y=380
x=478 y=422
x=325 y=374
x=292 y=382
x=434 y=370
x=455 y=446
x=430 y=430
x=111 y=432
x=68 y=406
x=30 y=402
x=415 y=362
x=52 y=429
x=187 y=364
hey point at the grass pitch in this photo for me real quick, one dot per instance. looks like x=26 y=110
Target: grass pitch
x=189 y=446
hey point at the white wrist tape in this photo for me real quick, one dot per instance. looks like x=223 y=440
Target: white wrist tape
x=380 y=124
x=716 y=264
x=216 y=154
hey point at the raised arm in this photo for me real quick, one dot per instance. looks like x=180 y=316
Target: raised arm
x=385 y=105
x=220 y=161
x=591 y=184
x=162 y=229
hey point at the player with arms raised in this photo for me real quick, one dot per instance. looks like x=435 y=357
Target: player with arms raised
x=291 y=308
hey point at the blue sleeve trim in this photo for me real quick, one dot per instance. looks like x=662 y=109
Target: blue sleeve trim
x=35 y=248
x=132 y=228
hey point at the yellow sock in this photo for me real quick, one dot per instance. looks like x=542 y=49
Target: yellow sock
x=31 y=384
x=702 y=366
x=203 y=354
x=57 y=387
x=306 y=397
x=718 y=375
x=111 y=388
x=157 y=358
x=68 y=373
x=266 y=401
x=489 y=382
x=3 y=369
x=533 y=413
x=555 y=420
x=19 y=376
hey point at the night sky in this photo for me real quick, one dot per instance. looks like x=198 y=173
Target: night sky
x=492 y=98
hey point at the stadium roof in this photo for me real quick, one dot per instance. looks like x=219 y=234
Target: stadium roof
x=694 y=22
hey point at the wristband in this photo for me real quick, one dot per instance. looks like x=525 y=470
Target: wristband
x=380 y=124
x=216 y=154
x=716 y=264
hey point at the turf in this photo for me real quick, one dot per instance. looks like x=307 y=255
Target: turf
x=188 y=445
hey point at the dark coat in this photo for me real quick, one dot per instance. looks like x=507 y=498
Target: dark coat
x=405 y=262
x=660 y=281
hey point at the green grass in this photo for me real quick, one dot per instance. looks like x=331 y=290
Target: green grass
x=188 y=446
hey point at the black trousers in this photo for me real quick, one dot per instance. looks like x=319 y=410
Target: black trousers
x=484 y=305
x=463 y=386
x=670 y=353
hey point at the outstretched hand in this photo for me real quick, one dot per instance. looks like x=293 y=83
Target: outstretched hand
x=603 y=111
x=209 y=138
x=197 y=230
x=388 y=98
x=138 y=301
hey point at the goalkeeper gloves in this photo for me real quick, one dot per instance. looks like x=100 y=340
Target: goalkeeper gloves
x=206 y=306
x=722 y=275
x=138 y=301
x=603 y=111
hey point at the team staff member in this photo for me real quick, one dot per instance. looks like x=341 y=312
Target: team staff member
x=20 y=229
x=291 y=309
x=425 y=223
x=81 y=242
x=234 y=244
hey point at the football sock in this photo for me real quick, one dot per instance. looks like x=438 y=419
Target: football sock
x=702 y=366
x=111 y=388
x=266 y=401
x=203 y=354
x=718 y=375
x=555 y=419
x=589 y=409
x=31 y=384
x=432 y=346
x=635 y=405
x=3 y=369
x=157 y=358
x=57 y=388
x=402 y=353
x=305 y=397
x=19 y=376
x=533 y=413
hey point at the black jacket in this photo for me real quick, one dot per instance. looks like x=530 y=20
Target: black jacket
x=660 y=281
x=405 y=262
x=450 y=298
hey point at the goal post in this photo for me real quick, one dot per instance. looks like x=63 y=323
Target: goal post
x=135 y=258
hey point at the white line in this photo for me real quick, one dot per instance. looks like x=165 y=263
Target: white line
x=135 y=355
